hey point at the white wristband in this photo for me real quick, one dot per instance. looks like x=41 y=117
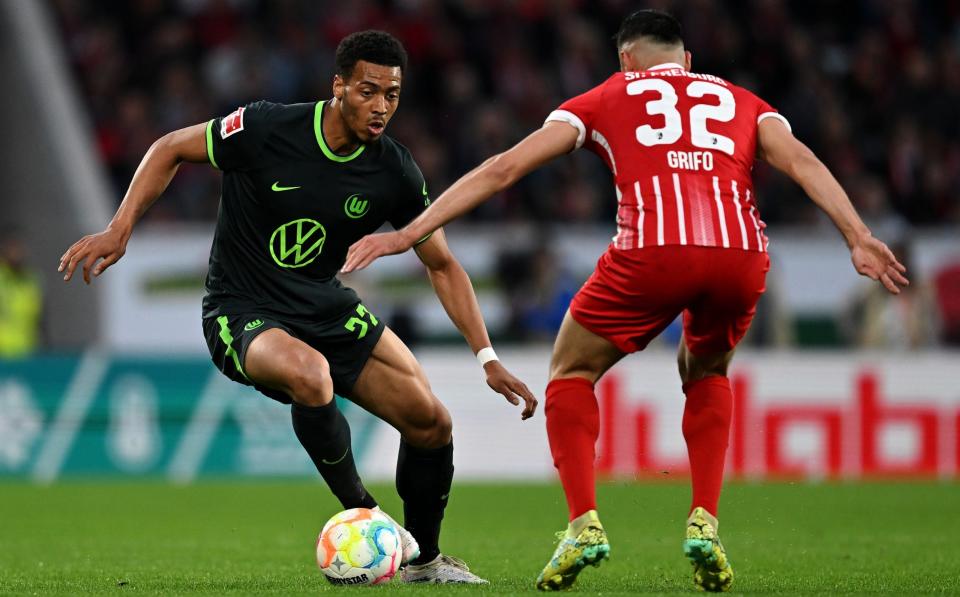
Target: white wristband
x=485 y=355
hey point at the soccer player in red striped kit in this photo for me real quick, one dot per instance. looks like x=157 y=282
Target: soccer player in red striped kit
x=681 y=147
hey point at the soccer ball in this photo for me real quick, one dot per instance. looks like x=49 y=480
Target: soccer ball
x=359 y=547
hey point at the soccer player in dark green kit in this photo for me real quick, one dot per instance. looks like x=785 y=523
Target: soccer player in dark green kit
x=300 y=184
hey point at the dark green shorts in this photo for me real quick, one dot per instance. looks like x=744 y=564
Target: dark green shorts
x=345 y=341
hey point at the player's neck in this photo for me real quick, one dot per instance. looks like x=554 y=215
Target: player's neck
x=658 y=61
x=652 y=61
x=640 y=56
x=336 y=133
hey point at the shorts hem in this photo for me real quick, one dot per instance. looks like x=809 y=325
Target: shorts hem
x=345 y=387
x=625 y=346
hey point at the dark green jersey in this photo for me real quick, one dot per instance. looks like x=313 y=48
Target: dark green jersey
x=290 y=208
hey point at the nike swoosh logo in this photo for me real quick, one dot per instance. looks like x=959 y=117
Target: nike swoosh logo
x=338 y=460
x=424 y=187
x=276 y=187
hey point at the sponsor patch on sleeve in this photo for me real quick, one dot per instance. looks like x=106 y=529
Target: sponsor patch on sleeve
x=233 y=123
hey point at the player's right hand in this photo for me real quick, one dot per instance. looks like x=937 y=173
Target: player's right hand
x=106 y=247
x=873 y=259
x=373 y=246
x=503 y=382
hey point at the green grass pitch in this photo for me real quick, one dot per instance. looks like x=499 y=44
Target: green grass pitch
x=218 y=538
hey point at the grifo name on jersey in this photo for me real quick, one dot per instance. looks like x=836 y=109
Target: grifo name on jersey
x=690 y=160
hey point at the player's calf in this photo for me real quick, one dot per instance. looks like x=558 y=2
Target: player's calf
x=424 y=478
x=325 y=435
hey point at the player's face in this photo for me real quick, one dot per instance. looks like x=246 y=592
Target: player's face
x=370 y=97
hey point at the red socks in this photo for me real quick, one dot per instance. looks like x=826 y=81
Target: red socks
x=573 y=425
x=706 y=428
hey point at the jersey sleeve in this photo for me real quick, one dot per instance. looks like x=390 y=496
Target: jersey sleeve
x=234 y=141
x=579 y=112
x=413 y=199
x=765 y=110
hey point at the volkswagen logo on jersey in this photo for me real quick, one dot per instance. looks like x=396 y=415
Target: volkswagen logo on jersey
x=355 y=207
x=297 y=243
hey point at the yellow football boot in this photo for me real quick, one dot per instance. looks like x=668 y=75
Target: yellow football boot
x=584 y=542
x=711 y=569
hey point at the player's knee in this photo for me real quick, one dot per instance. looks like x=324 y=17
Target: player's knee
x=310 y=383
x=693 y=368
x=682 y=364
x=557 y=370
x=432 y=430
x=562 y=364
x=442 y=428
x=717 y=366
x=561 y=368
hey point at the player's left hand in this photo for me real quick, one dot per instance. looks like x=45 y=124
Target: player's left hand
x=873 y=259
x=369 y=248
x=503 y=382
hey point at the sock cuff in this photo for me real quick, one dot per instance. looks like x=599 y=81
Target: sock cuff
x=439 y=453
x=315 y=412
x=574 y=396
x=569 y=383
x=720 y=381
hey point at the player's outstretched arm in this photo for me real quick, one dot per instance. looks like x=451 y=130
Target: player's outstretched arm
x=870 y=256
x=489 y=178
x=99 y=251
x=455 y=291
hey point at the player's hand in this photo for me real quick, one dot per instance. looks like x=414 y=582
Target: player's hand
x=106 y=247
x=503 y=382
x=873 y=259
x=366 y=250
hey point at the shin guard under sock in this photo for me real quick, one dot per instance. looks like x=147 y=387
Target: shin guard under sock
x=706 y=429
x=424 y=477
x=573 y=425
x=325 y=435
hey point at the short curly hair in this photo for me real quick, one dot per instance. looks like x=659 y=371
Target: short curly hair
x=376 y=47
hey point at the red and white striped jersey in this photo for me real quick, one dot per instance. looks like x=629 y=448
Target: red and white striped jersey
x=681 y=147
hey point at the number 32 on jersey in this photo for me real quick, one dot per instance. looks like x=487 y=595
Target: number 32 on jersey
x=699 y=115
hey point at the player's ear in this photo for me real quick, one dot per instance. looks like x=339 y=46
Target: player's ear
x=626 y=61
x=687 y=60
x=338 y=85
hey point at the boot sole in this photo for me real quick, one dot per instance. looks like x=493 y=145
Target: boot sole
x=592 y=556
x=700 y=553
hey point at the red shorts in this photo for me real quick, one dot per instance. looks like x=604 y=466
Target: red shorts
x=634 y=294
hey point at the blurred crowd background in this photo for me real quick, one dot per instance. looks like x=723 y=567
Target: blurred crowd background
x=873 y=86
